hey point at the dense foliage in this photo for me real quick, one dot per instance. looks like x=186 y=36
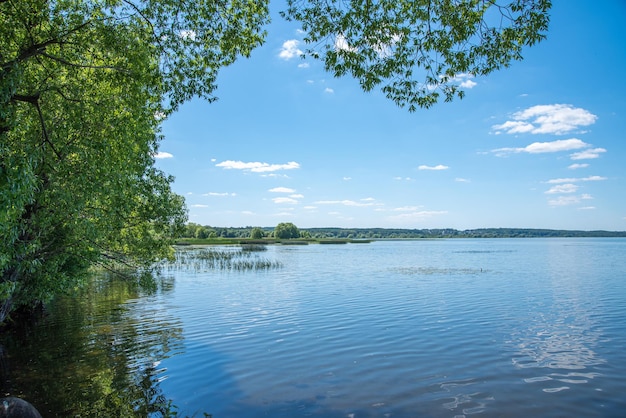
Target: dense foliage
x=416 y=50
x=286 y=230
x=85 y=84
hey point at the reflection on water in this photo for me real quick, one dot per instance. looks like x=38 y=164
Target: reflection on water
x=96 y=354
x=446 y=328
x=560 y=337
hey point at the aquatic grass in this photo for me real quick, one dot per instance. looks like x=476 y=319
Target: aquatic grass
x=224 y=258
x=253 y=247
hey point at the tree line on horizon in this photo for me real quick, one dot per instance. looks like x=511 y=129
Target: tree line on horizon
x=194 y=230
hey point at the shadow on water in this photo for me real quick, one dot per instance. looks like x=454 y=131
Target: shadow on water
x=95 y=353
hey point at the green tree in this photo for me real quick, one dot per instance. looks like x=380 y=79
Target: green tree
x=84 y=86
x=202 y=232
x=416 y=50
x=286 y=230
x=257 y=233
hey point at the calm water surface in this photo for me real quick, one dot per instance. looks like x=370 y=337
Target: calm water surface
x=434 y=328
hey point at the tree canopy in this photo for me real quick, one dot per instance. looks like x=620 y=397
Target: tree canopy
x=85 y=85
x=416 y=50
x=286 y=230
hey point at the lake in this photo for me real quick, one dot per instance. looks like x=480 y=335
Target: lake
x=424 y=328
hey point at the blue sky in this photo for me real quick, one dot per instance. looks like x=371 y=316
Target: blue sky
x=538 y=145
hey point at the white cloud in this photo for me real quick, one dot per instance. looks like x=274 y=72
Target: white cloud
x=199 y=206
x=219 y=194
x=587 y=208
x=403 y=178
x=341 y=44
x=283 y=200
x=577 y=166
x=568 y=200
x=418 y=215
x=303 y=65
x=406 y=209
x=188 y=34
x=575 y=180
x=465 y=80
x=290 y=49
x=281 y=190
x=587 y=154
x=347 y=178
x=547 y=119
x=296 y=196
x=329 y=90
x=161 y=155
x=563 y=188
x=543 y=147
x=436 y=168
x=462 y=180
x=348 y=203
x=257 y=167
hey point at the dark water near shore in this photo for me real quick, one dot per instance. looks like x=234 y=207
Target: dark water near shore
x=438 y=328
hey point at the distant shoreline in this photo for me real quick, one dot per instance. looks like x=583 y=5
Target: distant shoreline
x=363 y=235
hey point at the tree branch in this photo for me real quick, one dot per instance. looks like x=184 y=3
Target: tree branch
x=71 y=64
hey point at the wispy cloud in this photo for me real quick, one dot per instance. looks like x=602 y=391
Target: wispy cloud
x=303 y=65
x=544 y=147
x=576 y=166
x=417 y=215
x=216 y=194
x=435 y=168
x=199 y=206
x=361 y=203
x=587 y=154
x=575 y=179
x=563 y=188
x=257 y=167
x=281 y=190
x=462 y=180
x=406 y=209
x=329 y=90
x=161 y=155
x=285 y=200
x=290 y=49
x=568 y=200
x=547 y=119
